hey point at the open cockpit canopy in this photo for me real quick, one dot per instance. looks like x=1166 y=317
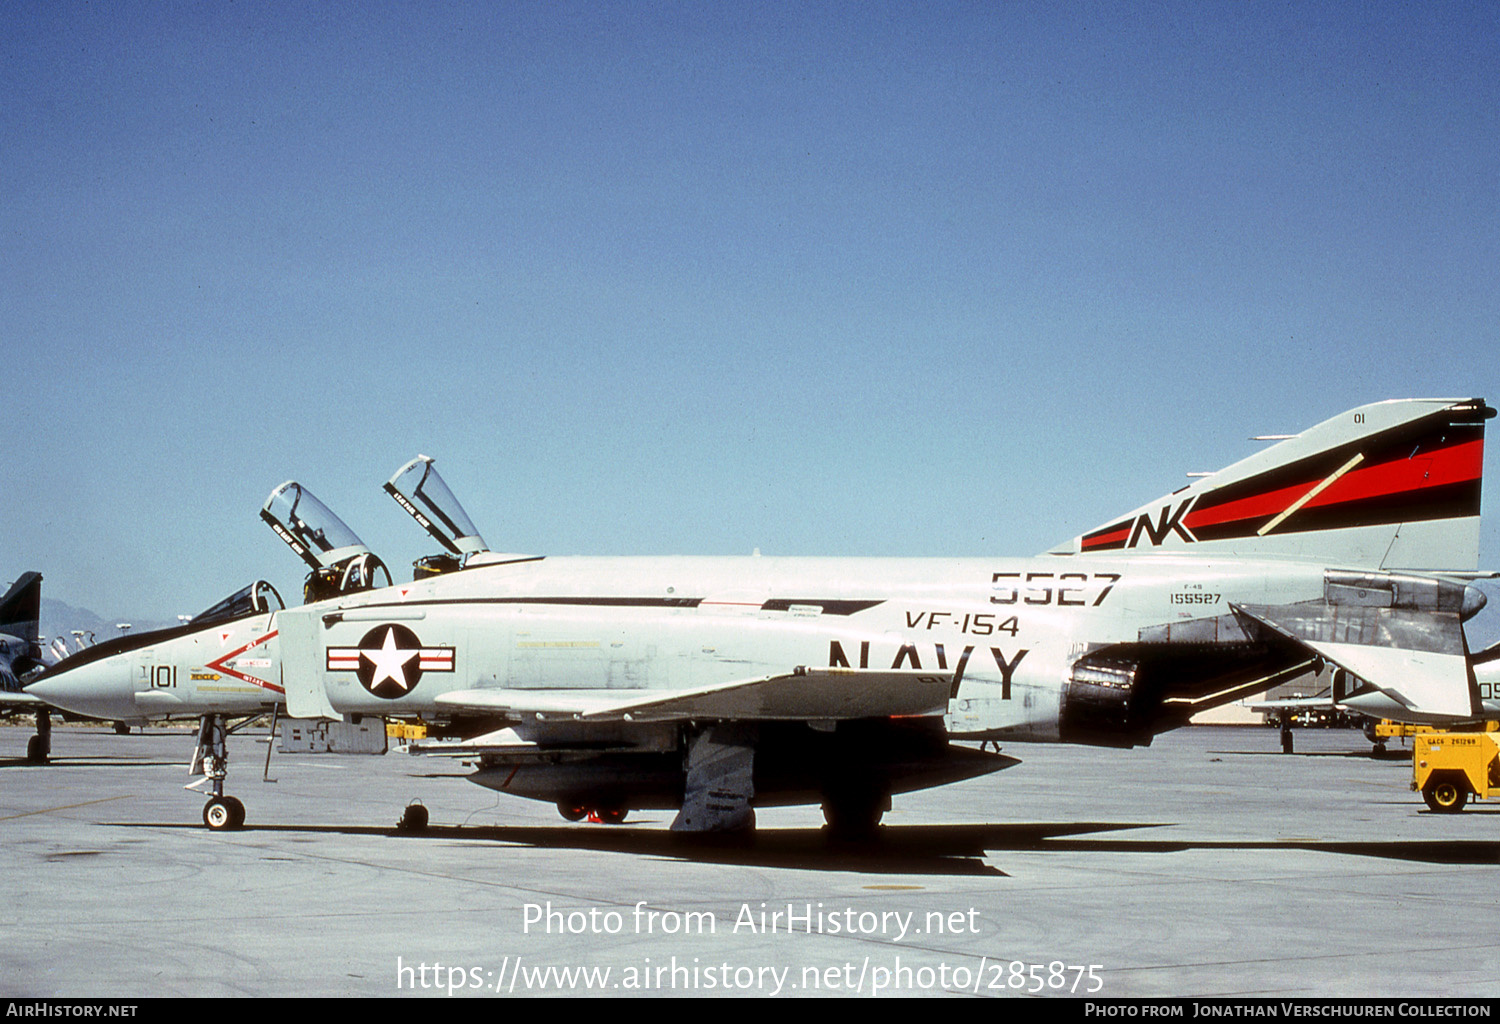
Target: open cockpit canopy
x=319 y=537
x=341 y=564
x=419 y=489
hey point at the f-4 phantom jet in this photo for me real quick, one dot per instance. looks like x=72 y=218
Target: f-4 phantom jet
x=717 y=685
x=714 y=685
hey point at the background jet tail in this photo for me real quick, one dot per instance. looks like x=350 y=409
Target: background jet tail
x=20 y=611
x=21 y=607
x=1394 y=485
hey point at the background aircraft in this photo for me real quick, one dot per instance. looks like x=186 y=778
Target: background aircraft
x=21 y=656
x=1484 y=664
x=21 y=651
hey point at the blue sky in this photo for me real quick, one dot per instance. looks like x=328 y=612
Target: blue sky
x=818 y=278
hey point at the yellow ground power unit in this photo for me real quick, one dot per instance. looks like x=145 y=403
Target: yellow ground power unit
x=1448 y=768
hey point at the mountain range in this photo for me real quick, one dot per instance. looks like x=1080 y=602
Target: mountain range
x=60 y=619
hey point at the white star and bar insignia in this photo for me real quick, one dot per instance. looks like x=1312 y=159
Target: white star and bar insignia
x=390 y=660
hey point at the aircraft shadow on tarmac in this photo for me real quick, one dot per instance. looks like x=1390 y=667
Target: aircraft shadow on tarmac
x=93 y=761
x=901 y=849
x=1394 y=754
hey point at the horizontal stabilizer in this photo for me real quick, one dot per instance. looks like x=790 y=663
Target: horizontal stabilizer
x=1414 y=662
x=1323 y=703
x=805 y=693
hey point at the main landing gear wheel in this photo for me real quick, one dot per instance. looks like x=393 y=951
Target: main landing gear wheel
x=855 y=815
x=596 y=815
x=413 y=819
x=223 y=812
x=1445 y=796
x=40 y=745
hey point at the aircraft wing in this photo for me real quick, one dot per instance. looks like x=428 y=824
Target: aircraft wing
x=805 y=693
x=1415 y=662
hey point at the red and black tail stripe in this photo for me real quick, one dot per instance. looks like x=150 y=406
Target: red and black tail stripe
x=1110 y=538
x=1425 y=470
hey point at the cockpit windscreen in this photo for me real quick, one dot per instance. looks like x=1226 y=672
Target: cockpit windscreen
x=258 y=597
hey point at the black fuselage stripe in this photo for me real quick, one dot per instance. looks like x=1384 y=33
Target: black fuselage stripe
x=830 y=607
x=136 y=641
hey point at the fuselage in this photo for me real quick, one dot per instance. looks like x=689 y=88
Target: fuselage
x=1008 y=630
x=1012 y=633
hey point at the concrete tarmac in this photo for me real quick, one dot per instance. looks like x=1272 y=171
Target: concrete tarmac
x=1208 y=864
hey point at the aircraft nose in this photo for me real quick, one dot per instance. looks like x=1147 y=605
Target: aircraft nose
x=101 y=689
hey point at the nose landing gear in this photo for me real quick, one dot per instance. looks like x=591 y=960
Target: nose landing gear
x=211 y=760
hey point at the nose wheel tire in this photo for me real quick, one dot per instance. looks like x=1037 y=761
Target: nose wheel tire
x=223 y=812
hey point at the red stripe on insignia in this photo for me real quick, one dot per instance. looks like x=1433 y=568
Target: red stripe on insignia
x=436 y=661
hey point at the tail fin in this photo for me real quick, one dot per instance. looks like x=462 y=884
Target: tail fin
x=1394 y=485
x=21 y=607
x=20 y=610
